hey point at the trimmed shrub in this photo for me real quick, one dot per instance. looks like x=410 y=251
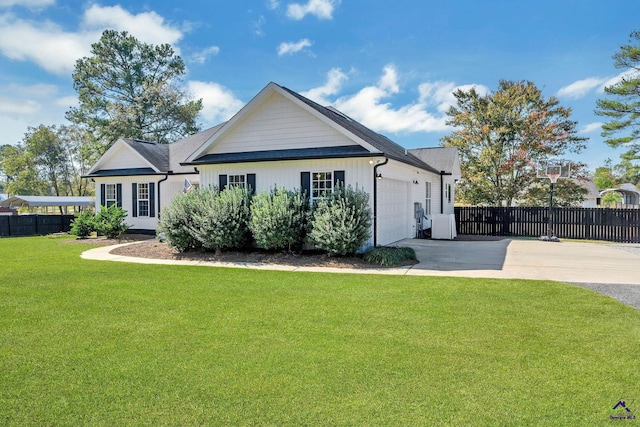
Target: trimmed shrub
x=341 y=223
x=279 y=219
x=389 y=256
x=221 y=220
x=176 y=219
x=83 y=225
x=110 y=221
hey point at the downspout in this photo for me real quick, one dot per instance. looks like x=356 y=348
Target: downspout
x=166 y=176
x=375 y=201
x=442 y=174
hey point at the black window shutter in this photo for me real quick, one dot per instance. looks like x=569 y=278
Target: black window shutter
x=338 y=176
x=305 y=184
x=119 y=195
x=152 y=199
x=251 y=182
x=103 y=195
x=222 y=181
x=134 y=199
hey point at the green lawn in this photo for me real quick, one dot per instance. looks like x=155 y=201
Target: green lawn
x=104 y=343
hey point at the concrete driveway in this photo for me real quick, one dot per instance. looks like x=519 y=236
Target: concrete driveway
x=575 y=262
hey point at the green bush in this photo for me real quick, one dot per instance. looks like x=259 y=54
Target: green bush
x=83 y=225
x=389 y=256
x=176 y=219
x=221 y=220
x=110 y=221
x=279 y=219
x=341 y=223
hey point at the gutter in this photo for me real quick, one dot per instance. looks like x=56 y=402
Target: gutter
x=442 y=174
x=166 y=176
x=375 y=201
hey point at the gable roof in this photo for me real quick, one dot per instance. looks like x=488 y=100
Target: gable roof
x=590 y=186
x=440 y=158
x=156 y=154
x=161 y=158
x=386 y=146
x=372 y=143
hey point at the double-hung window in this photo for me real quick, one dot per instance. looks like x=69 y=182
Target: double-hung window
x=110 y=195
x=321 y=185
x=427 y=198
x=143 y=199
x=237 y=181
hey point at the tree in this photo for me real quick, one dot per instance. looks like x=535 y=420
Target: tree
x=624 y=109
x=129 y=89
x=49 y=160
x=627 y=170
x=501 y=136
x=604 y=178
x=21 y=173
x=3 y=175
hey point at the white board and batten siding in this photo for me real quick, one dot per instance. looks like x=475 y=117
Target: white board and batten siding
x=400 y=187
x=278 y=124
x=169 y=189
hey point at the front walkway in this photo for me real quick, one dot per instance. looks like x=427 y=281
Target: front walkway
x=574 y=262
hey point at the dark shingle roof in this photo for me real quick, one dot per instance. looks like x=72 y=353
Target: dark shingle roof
x=156 y=154
x=386 y=146
x=440 y=158
x=164 y=157
x=181 y=150
x=291 y=154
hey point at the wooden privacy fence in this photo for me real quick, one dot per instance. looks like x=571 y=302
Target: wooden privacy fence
x=616 y=225
x=31 y=225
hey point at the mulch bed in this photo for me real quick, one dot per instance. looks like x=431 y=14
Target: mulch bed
x=148 y=247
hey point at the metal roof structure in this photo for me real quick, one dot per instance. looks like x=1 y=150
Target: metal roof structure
x=38 y=201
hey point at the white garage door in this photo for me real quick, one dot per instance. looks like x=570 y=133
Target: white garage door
x=393 y=211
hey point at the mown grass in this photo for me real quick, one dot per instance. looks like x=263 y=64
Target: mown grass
x=104 y=343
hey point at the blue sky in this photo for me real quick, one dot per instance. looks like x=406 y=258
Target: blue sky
x=389 y=64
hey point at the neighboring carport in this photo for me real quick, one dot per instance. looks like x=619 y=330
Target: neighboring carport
x=46 y=203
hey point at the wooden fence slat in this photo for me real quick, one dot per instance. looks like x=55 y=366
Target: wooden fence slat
x=611 y=224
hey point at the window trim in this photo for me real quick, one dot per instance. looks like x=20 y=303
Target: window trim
x=428 y=196
x=327 y=180
x=240 y=180
x=140 y=199
x=110 y=201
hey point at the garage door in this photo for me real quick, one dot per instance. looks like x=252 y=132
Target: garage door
x=393 y=211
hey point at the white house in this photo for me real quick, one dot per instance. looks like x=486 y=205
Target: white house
x=142 y=176
x=283 y=139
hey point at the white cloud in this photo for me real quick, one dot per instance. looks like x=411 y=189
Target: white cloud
x=580 y=88
x=67 y=101
x=335 y=78
x=44 y=43
x=202 y=56
x=289 y=48
x=440 y=94
x=614 y=80
x=218 y=103
x=18 y=108
x=56 y=50
x=273 y=4
x=148 y=27
x=592 y=127
x=258 y=26
x=22 y=106
x=322 y=9
x=372 y=108
x=31 y=4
